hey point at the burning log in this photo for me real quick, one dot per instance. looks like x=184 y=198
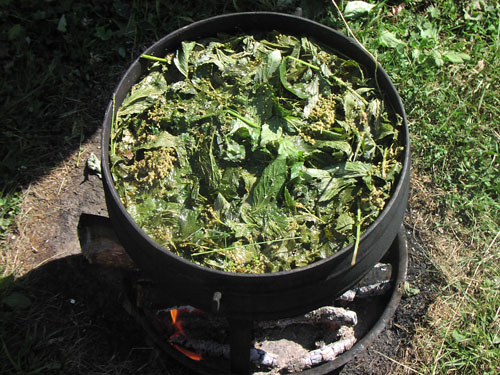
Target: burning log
x=214 y=349
x=188 y=322
x=326 y=314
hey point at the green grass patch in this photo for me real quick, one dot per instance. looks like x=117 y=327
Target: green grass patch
x=444 y=58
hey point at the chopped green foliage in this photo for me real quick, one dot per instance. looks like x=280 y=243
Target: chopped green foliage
x=255 y=153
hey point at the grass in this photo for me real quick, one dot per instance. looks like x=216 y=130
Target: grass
x=444 y=60
x=61 y=61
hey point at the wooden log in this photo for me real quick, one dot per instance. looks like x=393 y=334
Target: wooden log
x=373 y=290
x=100 y=245
x=323 y=315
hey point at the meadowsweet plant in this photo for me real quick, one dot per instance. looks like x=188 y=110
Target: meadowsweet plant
x=255 y=153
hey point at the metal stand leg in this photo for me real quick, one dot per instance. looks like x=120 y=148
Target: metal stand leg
x=241 y=338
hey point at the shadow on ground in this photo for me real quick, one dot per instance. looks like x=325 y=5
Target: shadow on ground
x=73 y=321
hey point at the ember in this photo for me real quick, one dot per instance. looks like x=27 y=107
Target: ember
x=281 y=346
x=179 y=332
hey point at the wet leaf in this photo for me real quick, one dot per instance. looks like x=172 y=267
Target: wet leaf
x=253 y=147
x=272 y=63
x=270 y=182
x=182 y=56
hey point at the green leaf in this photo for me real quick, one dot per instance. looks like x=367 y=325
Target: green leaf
x=62 y=24
x=429 y=31
x=343 y=146
x=181 y=59
x=437 y=57
x=16 y=32
x=266 y=71
x=289 y=201
x=330 y=189
x=268 y=135
x=390 y=40
x=358 y=168
x=356 y=9
x=344 y=222
x=234 y=151
x=288 y=149
x=143 y=95
x=102 y=33
x=456 y=57
x=207 y=165
x=188 y=223
x=17 y=301
x=297 y=89
x=270 y=183
x=459 y=337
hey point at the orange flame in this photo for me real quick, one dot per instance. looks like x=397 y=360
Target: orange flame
x=179 y=331
x=188 y=353
x=173 y=314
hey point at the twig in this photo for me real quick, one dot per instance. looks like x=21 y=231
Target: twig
x=358 y=235
x=398 y=363
x=240 y=117
x=154 y=58
x=244 y=245
x=325 y=314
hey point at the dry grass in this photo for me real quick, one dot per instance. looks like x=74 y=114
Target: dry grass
x=452 y=249
x=34 y=238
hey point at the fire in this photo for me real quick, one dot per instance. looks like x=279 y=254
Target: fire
x=188 y=353
x=179 y=331
x=173 y=314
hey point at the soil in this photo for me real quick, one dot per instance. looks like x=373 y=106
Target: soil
x=80 y=304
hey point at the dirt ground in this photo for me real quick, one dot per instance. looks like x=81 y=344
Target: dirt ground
x=80 y=304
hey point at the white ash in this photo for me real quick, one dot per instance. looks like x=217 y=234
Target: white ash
x=377 y=282
x=324 y=354
x=366 y=291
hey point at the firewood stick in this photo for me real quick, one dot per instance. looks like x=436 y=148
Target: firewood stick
x=326 y=314
x=366 y=291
